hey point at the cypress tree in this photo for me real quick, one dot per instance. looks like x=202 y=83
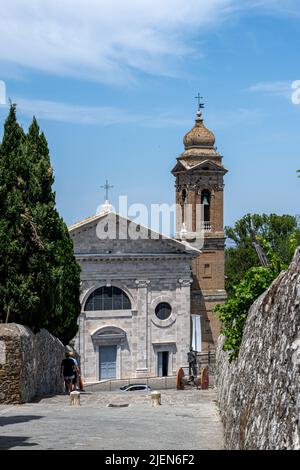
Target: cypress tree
x=14 y=297
x=62 y=321
x=48 y=268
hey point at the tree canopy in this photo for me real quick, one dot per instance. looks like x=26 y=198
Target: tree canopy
x=39 y=276
x=280 y=232
x=246 y=278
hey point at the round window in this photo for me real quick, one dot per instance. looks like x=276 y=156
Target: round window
x=163 y=310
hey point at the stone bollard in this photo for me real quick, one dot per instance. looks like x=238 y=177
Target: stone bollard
x=197 y=382
x=155 y=398
x=204 y=378
x=75 y=398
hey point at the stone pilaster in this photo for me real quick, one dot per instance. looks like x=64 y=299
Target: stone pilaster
x=184 y=323
x=142 y=330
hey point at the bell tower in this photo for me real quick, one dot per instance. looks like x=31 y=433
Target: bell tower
x=199 y=186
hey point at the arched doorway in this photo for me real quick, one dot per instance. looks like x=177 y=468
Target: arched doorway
x=108 y=342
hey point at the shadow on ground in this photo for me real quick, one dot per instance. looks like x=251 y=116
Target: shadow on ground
x=7 y=442
x=5 y=420
x=43 y=397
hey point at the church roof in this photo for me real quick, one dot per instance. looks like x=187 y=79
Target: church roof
x=208 y=165
x=148 y=232
x=199 y=148
x=86 y=221
x=191 y=165
x=199 y=136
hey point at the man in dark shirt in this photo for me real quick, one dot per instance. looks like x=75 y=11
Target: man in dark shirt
x=192 y=360
x=67 y=369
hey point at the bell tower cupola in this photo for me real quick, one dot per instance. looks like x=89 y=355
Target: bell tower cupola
x=199 y=174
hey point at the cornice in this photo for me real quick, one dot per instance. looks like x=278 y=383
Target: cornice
x=132 y=256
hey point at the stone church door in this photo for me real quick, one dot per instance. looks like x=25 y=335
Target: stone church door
x=163 y=362
x=107 y=362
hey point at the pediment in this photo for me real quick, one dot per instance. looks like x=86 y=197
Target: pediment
x=180 y=166
x=208 y=165
x=111 y=234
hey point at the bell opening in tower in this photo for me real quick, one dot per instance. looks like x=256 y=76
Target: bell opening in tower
x=205 y=200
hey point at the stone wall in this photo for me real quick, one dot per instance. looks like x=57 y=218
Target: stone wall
x=29 y=364
x=259 y=393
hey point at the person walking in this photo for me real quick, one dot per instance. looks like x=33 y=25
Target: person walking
x=76 y=370
x=77 y=382
x=67 y=370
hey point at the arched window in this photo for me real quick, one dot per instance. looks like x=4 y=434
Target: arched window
x=205 y=200
x=108 y=298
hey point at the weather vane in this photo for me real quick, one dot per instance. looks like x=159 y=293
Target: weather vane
x=200 y=104
x=106 y=186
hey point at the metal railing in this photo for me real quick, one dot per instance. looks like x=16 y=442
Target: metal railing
x=207 y=359
x=206 y=226
x=111 y=385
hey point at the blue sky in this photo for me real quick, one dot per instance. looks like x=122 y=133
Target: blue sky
x=112 y=84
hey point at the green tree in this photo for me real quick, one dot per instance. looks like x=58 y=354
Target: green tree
x=15 y=298
x=64 y=273
x=234 y=312
x=278 y=236
x=46 y=284
x=281 y=232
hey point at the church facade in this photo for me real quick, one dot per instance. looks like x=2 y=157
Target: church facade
x=147 y=299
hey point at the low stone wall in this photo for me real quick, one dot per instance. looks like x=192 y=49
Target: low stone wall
x=29 y=363
x=259 y=393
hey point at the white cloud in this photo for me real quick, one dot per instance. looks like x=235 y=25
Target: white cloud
x=94 y=115
x=100 y=39
x=109 y=40
x=104 y=116
x=286 y=7
x=73 y=113
x=234 y=118
x=2 y=93
x=277 y=88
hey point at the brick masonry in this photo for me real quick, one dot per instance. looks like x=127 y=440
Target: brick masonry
x=199 y=168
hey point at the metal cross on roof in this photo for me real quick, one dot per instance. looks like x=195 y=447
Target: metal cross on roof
x=106 y=186
x=200 y=104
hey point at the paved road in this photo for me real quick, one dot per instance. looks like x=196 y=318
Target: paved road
x=186 y=419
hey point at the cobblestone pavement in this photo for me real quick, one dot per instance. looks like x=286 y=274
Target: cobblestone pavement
x=187 y=419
